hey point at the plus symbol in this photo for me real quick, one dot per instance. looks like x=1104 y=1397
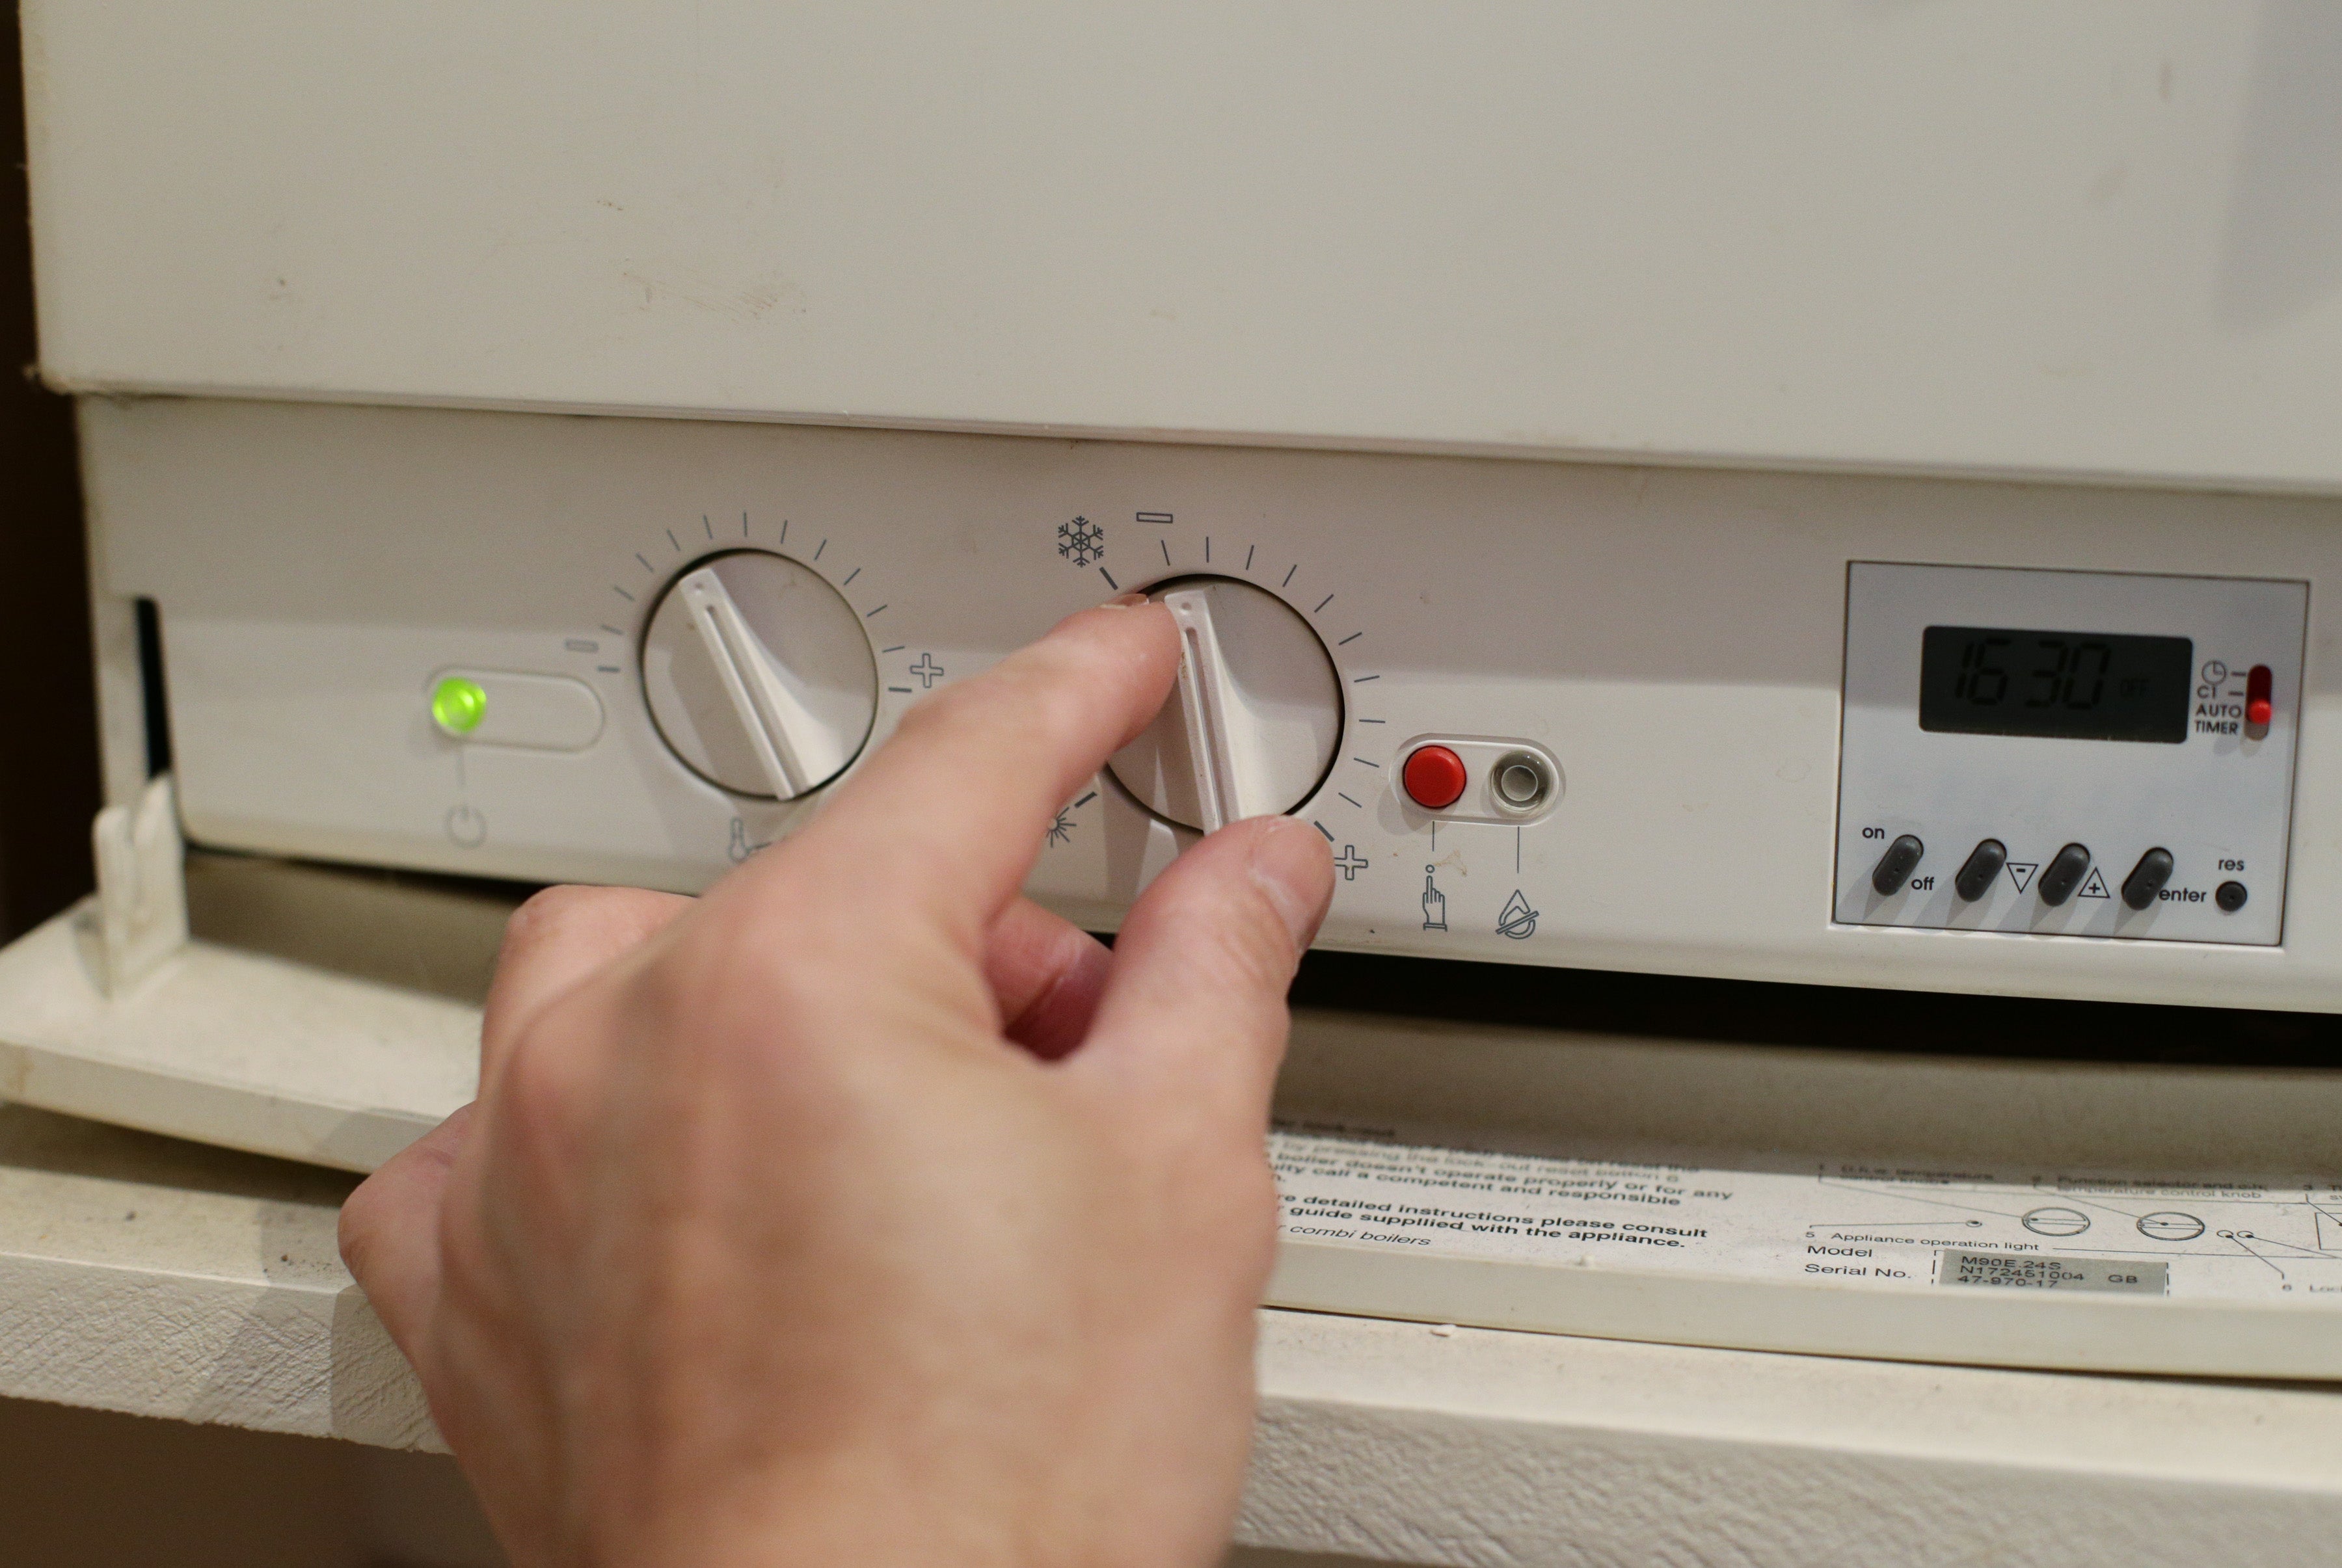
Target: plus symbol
x=928 y=672
x=1351 y=863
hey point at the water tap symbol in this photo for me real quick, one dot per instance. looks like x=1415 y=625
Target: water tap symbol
x=1435 y=902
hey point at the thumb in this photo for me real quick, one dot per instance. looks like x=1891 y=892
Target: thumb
x=1193 y=1014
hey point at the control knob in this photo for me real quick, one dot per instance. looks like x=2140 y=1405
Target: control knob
x=758 y=676
x=1252 y=726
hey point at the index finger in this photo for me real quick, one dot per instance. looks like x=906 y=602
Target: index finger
x=947 y=817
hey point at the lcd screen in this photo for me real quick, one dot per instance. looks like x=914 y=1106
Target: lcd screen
x=2072 y=685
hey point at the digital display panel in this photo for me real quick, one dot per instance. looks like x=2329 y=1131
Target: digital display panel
x=2072 y=685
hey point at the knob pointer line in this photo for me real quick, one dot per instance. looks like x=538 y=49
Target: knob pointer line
x=774 y=716
x=1204 y=703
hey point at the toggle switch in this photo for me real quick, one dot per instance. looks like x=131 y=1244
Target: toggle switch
x=2147 y=878
x=2260 y=703
x=2063 y=875
x=1895 y=867
x=1976 y=873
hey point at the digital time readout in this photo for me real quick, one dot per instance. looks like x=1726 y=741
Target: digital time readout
x=2069 y=685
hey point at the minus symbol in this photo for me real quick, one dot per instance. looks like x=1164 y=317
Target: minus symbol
x=608 y=669
x=1364 y=760
x=1362 y=679
x=905 y=690
x=1374 y=720
x=612 y=630
x=895 y=649
x=873 y=613
x=1083 y=801
x=1348 y=640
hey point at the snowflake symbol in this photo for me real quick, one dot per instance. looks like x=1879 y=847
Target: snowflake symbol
x=1081 y=541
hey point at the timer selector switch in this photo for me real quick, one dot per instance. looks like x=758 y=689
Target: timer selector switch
x=2147 y=878
x=1896 y=866
x=758 y=676
x=2063 y=875
x=1251 y=727
x=1976 y=873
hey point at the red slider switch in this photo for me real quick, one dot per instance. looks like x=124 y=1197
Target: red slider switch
x=2258 y=705
x=1433 y=777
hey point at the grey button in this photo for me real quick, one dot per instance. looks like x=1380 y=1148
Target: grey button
x=1895 y=867
x=1976 y=875
x=1519 y=783
x=2063 y=875
x=2147 y=878
x=2230 y=896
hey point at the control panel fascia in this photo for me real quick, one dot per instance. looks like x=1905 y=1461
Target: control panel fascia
x=1663 y=650
x=2217 y=801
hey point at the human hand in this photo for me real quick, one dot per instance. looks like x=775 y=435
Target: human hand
x=860 y=1211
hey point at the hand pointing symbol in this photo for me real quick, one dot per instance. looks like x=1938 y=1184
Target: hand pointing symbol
x=1434 y=903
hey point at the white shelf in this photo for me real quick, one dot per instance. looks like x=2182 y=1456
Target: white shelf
x=165 y=1279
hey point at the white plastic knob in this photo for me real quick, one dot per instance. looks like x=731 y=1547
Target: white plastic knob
x=759 y=676
x=1251 y=727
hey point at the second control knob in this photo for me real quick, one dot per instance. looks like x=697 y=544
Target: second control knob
x=1252 y=726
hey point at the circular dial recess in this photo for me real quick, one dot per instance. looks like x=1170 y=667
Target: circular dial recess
x=1251 y=728
x=758 y=675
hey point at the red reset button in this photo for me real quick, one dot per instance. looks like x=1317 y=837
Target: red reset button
x=1433 y=777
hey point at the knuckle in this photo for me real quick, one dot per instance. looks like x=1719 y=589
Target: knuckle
x=360 y=1222
x=540 y=1096
x=549 y=912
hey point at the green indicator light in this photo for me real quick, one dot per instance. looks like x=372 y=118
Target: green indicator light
x=457 y=705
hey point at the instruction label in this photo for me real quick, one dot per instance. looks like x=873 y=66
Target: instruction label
x=1848 y=1223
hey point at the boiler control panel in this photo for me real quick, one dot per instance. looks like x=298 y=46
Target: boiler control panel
x=1840 y=729
x=2069 y=753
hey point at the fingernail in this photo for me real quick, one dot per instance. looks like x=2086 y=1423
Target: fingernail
x=1291 y=864
x=1124 y=602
